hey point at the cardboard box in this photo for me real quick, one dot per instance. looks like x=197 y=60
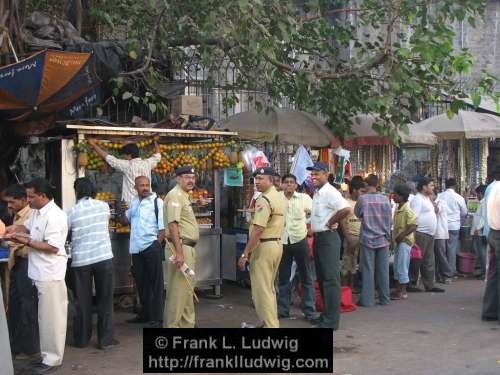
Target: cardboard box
x=187 y=105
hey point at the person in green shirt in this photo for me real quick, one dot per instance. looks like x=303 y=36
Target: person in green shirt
x=405 y=225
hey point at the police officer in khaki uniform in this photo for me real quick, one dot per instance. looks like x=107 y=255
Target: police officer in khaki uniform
x=182 y=235
x=264 y=247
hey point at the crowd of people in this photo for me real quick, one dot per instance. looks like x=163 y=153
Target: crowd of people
x=353 y=235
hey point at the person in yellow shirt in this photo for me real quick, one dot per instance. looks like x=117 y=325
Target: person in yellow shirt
x=182 y=235
x=405 y=225
x=296 y=248
x=264 y=247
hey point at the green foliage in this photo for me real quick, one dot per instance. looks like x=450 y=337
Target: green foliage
x=380 y=56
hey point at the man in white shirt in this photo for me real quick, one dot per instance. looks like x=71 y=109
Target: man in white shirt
x=457 y=209
x=425 y=210
x=47 y=261
x=131 y=165
x=491 y=300
x=479 y=241
x=329 y=208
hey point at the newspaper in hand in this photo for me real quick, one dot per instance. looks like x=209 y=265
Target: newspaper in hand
x=184 y=268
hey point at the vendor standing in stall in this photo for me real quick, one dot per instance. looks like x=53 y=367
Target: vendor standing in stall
x=182 y=235
x=131 y=165
x=264 y=246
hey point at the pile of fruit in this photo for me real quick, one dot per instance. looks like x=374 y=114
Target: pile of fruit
x=202 y=156
x=105 y=196
x=204 y=221
x=120 y=228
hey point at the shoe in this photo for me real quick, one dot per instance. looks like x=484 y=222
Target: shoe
x=155 y=323
x=283 y=316
x=489 y=318
x=42 y=368
x=36 y=361
x=412 y=289
x=136 y=320
x=435 y=290
x=324 y=326
x=395 y=296
x=111 y=345
x=315 y=321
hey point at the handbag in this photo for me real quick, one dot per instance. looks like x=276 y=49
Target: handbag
x=416 y=253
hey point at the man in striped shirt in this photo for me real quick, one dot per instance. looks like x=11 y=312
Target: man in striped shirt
x=91 y=259
x=375 y=213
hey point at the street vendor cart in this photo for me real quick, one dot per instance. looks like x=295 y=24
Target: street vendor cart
x=205 y=150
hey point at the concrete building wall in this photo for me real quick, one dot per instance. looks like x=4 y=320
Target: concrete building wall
x=483 y=41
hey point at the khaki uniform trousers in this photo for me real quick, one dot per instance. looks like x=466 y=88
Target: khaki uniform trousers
x=52 y=320
x=264 y=264
x=179 y=306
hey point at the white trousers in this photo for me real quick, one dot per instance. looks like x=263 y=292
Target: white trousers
x=52 y=320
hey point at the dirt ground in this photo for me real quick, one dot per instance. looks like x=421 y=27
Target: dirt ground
x=426 y=334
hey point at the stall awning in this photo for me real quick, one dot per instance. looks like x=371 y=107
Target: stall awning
x=128 y=131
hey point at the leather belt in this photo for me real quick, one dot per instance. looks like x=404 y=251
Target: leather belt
x=324 y=231
x=269 y=239
x=184 y=242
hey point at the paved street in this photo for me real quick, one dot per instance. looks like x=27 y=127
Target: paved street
x=427 y=334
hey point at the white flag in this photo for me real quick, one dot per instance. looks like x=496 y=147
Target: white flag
x=301 y=161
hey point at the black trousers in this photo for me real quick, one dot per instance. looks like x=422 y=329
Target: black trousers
x=102 y=274
x=148 y=274
x=22 y=316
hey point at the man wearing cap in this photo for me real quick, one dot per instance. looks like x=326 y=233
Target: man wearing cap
x=264 y=247
x=328 y=209
x=145 y=216
x=182 y=235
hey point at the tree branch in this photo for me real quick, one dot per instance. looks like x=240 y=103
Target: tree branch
x=150 y=47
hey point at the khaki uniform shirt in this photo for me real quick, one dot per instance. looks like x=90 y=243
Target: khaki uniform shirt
x=179 y=210
x=17 y=249
x=270 y=213
x=351 y=222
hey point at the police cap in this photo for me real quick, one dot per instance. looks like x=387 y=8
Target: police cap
x=318 y=166
x=265 y=171
x=184 y=170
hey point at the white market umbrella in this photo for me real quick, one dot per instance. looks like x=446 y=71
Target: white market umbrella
x=285 y=125
x=465 y=124
x=364 y=134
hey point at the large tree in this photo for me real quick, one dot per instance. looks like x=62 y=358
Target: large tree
x=337 y=58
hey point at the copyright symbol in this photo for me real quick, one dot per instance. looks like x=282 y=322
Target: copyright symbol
x=161 y=342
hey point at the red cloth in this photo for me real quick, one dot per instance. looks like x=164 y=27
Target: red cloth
x=346 y=302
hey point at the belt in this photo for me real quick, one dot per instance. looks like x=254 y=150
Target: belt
x=324 y=231
x=269 y=239
x=184 y=242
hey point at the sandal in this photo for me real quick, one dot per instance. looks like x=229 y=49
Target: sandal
x=396 y=296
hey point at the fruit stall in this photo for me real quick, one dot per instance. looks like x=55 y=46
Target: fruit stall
x=209 y=152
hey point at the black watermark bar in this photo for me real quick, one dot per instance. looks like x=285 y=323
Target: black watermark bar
x=234 y=350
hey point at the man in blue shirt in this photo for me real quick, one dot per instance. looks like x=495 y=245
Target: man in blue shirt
x=147 y=234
